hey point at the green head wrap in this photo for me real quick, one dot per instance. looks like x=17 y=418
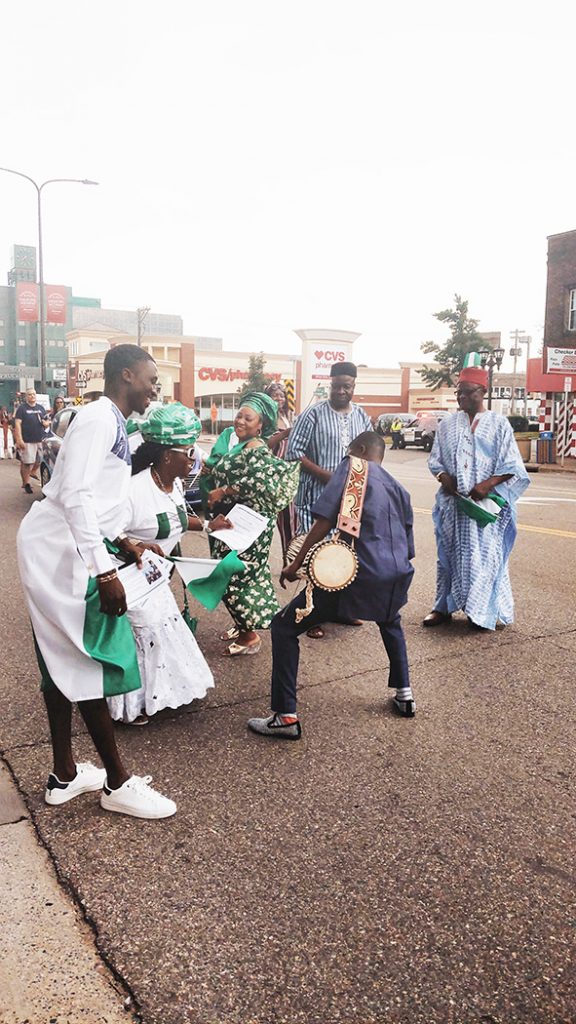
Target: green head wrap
x=174 y=425
x=266 y=408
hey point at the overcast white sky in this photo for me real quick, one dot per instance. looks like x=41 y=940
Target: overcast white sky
x=267 y=166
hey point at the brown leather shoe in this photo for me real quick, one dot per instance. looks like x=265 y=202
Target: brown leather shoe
x=436 y=619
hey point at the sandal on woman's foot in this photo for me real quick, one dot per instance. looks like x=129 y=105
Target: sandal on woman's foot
x=141 y=720
x=315 y=633
x=230 y=634
x=236 y=649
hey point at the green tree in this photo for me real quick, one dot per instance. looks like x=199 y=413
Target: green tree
x=256 y=380
x=464 y=338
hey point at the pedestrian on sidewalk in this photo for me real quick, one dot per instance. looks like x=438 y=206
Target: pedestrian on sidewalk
x=84 y=644
x=474 y=454
x=7 y=424
x=30 y=424
x=384 y=548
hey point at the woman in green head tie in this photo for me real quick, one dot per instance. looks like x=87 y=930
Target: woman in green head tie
x=172 y=667
x=242 y=469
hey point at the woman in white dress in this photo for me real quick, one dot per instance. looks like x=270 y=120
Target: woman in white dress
x=172 y=667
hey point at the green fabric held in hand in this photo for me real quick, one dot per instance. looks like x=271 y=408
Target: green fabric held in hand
x=109 y=639
x=211 y=590
x=498 y=499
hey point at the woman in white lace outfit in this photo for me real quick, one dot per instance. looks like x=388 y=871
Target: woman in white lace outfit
x=172 y=667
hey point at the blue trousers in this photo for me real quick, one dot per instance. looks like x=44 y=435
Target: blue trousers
x=286 y=646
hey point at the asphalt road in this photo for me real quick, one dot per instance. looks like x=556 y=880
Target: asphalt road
x=382 y=870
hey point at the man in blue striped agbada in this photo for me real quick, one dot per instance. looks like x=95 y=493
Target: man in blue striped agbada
x=320 y=438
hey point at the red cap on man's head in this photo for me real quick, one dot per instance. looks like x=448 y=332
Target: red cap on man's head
x=473 y=372
x=474 y=375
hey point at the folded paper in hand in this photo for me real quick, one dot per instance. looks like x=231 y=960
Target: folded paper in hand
x=139 y=583
x=247 y=525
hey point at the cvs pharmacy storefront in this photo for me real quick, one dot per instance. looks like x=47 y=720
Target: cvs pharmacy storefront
x=218 y=376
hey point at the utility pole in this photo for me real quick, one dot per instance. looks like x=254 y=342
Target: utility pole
x=141 y=313
x=515 y=351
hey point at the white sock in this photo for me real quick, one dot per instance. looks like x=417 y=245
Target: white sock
x=404 y=693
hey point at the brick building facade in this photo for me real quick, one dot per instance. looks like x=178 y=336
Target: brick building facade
x=553 y=374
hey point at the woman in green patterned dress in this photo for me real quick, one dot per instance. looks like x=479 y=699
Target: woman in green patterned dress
x=241 y=468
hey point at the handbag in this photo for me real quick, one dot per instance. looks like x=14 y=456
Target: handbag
x=332 y=564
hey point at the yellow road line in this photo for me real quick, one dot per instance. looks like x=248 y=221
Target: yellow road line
x=546 y=529
x=521 y=526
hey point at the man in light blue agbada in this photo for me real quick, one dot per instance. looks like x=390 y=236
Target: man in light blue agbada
x=474 y=454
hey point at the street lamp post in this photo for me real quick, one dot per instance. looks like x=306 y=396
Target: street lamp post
x=490 y=358
x=525 y=340
x=41 y=325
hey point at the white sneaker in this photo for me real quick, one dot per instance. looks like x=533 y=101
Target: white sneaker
x=88 y=780
x=136 y=797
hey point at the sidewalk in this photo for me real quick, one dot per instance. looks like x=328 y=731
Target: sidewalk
x=553 y=467
x=50 y=969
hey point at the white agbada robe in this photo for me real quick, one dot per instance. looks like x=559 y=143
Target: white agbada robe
x=61 y=549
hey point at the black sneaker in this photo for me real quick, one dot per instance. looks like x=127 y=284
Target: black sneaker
x=406 y=708
x=28 y=489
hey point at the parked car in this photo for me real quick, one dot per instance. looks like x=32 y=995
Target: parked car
x=52 y=441
x=51 y=446
x=191 y=488
x=523 y=424
x=384 y=421
x=421 y=432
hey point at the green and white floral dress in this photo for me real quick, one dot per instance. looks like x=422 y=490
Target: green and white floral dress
x=267 y=485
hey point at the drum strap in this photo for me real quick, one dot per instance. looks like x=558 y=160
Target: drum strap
x=350 y=517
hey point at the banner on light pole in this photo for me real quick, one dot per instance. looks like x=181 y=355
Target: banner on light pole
x=27 y=304
x=55 y=303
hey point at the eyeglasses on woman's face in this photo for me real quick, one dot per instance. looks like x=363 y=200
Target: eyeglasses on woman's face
x=190 y=452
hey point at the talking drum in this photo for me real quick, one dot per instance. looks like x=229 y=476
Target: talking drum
x=331 y=565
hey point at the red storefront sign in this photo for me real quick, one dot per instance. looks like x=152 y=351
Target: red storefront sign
x=27 y=302
x=324 y=360
x=220 y=373
x=55 y=295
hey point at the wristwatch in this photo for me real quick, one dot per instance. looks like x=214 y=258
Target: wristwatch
x=440 y=474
